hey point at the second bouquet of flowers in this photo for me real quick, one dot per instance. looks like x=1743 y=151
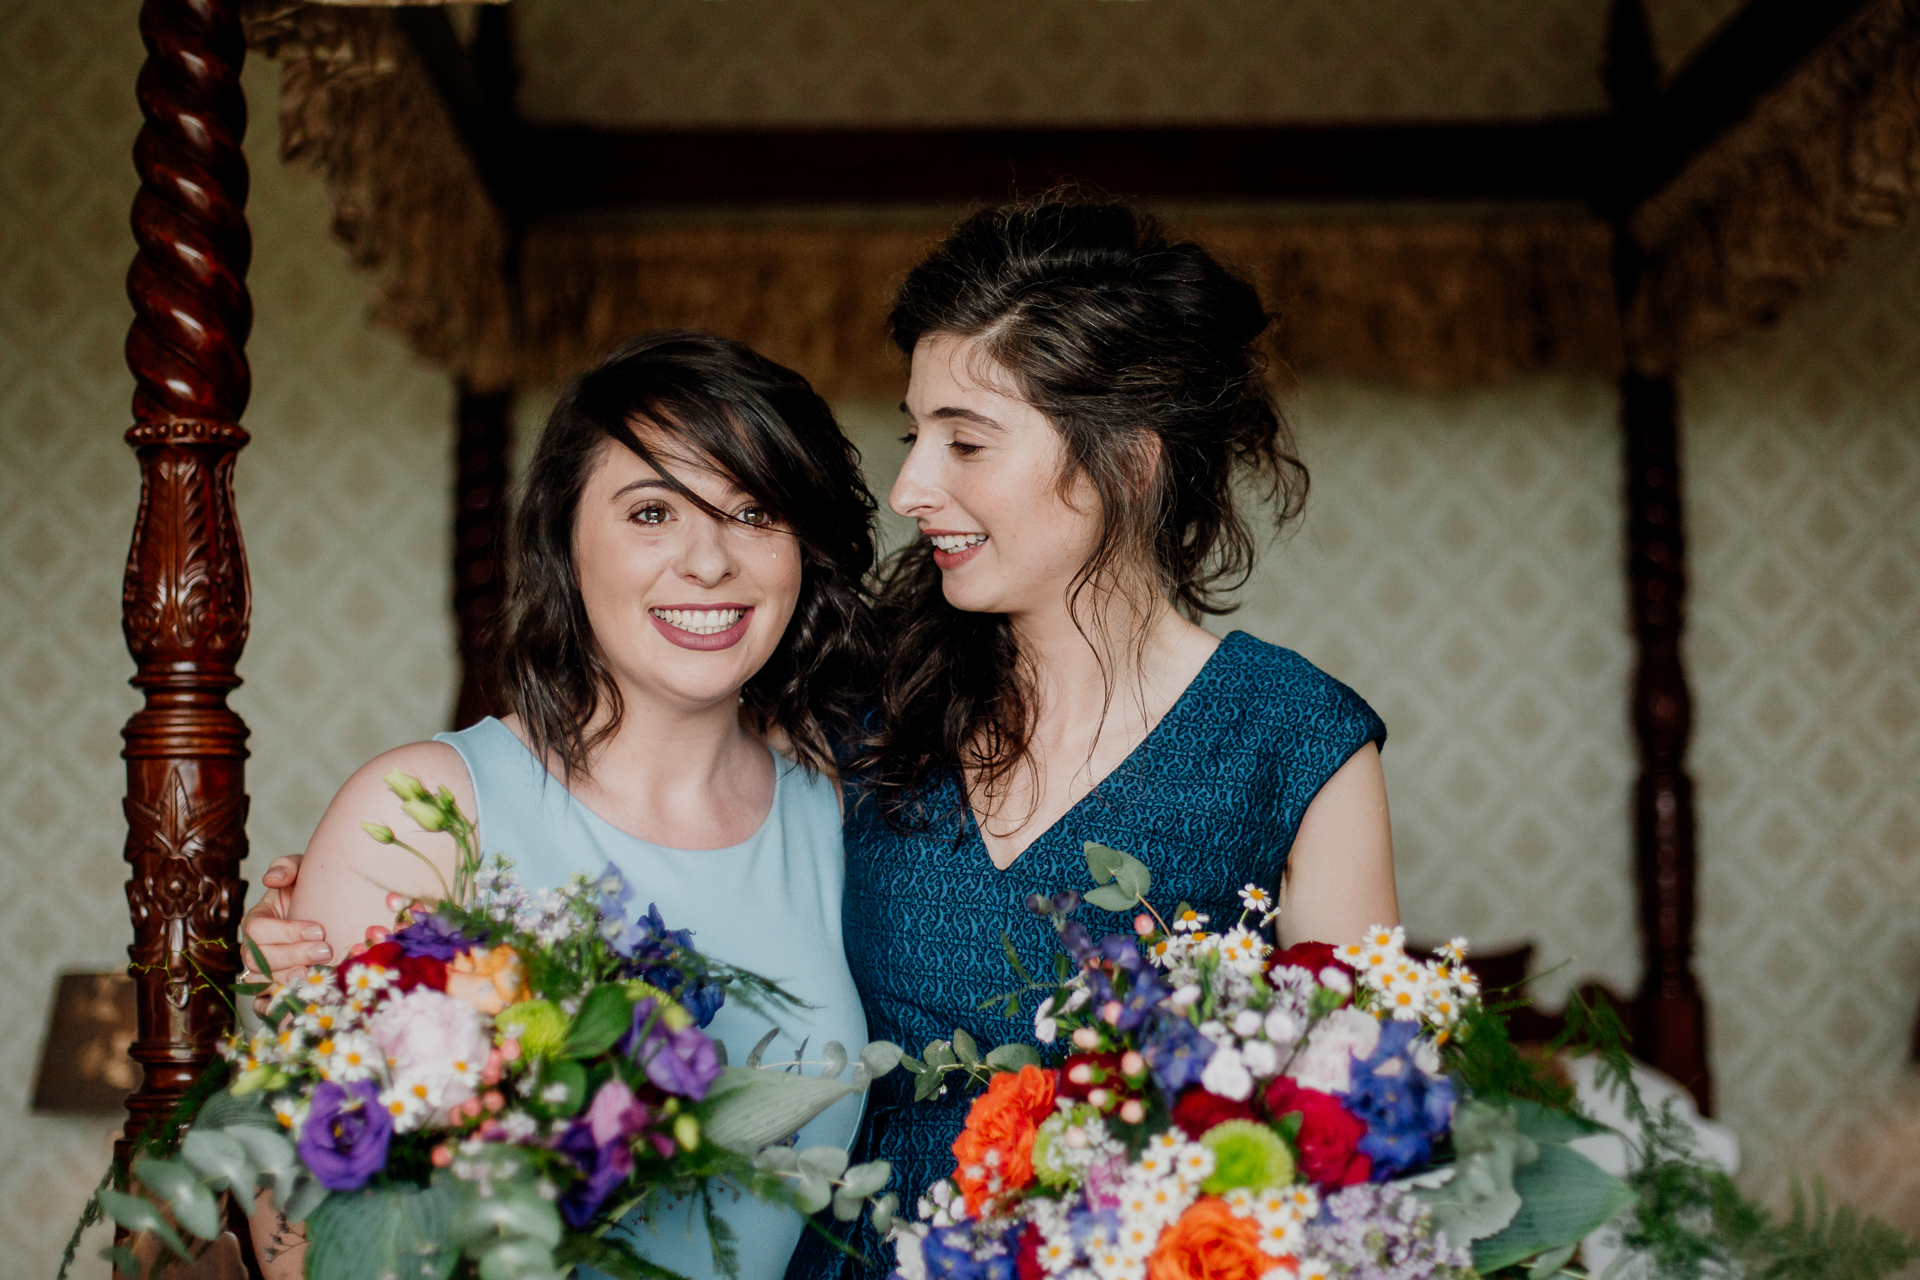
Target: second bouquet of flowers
x=491 y=1088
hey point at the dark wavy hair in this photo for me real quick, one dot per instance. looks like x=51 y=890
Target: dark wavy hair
x=1143 y=352
x=765 y=428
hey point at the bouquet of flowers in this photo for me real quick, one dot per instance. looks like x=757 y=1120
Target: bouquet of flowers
x=1224 y=1111
x=1219 y=1110
x=493 y=1085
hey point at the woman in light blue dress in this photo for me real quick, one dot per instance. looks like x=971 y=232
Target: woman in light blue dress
x=689 y=553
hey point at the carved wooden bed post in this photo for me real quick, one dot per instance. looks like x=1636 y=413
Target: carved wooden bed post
x=186 y=602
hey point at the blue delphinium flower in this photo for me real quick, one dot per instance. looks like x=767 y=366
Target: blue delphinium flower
x=431 y=936
x=1176 y=1053
x=962 y=1253
x=1404 y=1108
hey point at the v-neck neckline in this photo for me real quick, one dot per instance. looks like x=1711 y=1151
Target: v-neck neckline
x=973 y=820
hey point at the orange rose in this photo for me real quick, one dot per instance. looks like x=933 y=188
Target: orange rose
x=1208 y=1243
x=487 y=980
x=995 y=1150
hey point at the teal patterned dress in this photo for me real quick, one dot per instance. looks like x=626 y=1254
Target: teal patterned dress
x=1210 y=801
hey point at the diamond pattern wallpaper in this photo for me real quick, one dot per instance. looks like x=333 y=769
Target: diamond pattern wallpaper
x=1459 y=565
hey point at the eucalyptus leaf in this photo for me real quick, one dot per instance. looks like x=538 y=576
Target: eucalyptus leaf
x=778 y=1159
x=605 y=1015
x=1102 y=862
x=939 y=1053
x=913 y=1065
x=1549 y=1265
x=220 y=1159
x=518 y=1260
x=760 y=1047
x=835 y=1055
x=863 y=1180
x=824 y=1162
x=380 y=1232
x=308 y=1195
x=814 y=1193
x=963 y=1045
x=224 y=1111
x=270 y=1152
x=123 y=1260
x=137 y=1214
x=846 y=1207
x=193 y=1205
x=883 y=1210
x=1012 y=1057
x=881 y=1056
x=1564 y=1196
x=926 y=1085
x=1111 y=897
x=749 y=1109
x=1480 y=1199
x=512 y=1214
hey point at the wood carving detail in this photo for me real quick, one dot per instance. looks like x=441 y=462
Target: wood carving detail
x=186 y=600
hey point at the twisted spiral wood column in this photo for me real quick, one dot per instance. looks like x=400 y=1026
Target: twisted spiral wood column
x=186 y=598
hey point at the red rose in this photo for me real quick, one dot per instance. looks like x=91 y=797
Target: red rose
x=1328 y=1136
x=1198 y=1111
x=409 y=971
x=1026 y=1255
x=1311 y=956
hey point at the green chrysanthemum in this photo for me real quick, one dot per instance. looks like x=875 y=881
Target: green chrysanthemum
x=538 y=1025
x=1246 y=1154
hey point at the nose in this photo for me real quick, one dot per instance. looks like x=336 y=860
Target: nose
x=915 y=491
x=705 y=556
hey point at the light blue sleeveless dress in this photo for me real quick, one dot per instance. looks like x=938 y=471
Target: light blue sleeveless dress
x=770 y=905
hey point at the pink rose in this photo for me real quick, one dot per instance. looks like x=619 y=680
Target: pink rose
x=434 y=1040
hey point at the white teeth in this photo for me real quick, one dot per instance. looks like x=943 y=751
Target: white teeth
x=951 y=542
x=701 y=622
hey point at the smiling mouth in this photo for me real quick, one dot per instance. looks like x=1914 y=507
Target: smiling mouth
x=700 y=622
x=954 y=542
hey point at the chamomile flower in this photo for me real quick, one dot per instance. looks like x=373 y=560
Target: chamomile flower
x=1195 y=1165
x=1138 y=1238
x=366 y=979
x=354 y=1056
x=291 y=1111
x=408 y=1103
x=1057 y=1255
x=1314 y=1269
x=1254 y=898
x=1242 y=948
x=1240 y=1202
x=1281 y=1237
x=1190 y=921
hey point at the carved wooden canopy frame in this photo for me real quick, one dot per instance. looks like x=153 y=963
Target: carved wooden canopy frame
x=1723 y=194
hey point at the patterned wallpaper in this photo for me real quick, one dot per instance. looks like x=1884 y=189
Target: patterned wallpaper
x=1021 y=61
x=1459 y=565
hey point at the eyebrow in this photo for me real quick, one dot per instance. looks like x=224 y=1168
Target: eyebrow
x=952 y=412
x=655 y=482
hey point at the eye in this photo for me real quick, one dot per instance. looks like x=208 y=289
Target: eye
x=757 y=517
x=651 y=514
x=909 y=438
x=964 y=449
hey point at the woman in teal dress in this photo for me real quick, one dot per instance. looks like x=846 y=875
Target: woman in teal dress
x=1089 y=417
x=690 y=549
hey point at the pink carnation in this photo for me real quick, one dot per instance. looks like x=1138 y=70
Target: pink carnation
x=433 y=1039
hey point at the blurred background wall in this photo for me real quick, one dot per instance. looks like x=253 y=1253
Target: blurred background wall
x=1460 y=563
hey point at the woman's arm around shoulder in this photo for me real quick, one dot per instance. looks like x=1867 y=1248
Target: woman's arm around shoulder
x=1339 y=877
x=347 y=874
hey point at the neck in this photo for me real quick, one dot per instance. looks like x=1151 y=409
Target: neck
x=665 y=748
x=1102 y=674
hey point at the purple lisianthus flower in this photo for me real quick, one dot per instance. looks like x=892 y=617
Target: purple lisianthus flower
x=431 y=936
x=344 y=1141
x=1403 y=1107
x=682 y=1062
x=1176 y=1052
x=1144 y=989
x=603 y=1166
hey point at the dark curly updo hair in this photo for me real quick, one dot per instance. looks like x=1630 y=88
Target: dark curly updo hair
x=1143 y=352
x=762 y=425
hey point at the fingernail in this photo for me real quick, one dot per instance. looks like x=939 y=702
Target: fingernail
x=319 y=951
x=313 y=933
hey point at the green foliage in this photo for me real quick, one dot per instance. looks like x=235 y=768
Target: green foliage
x=604 y=1017
x=1482 y=1057
x=1123 y=878
x=385 y=1231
